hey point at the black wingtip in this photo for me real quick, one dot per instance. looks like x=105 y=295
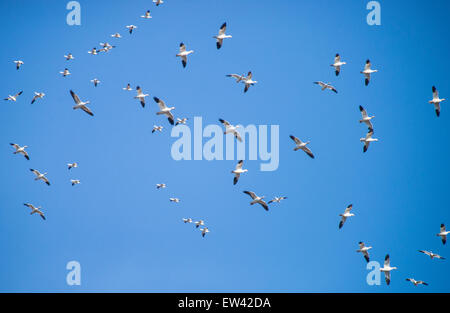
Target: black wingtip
x=155 y=98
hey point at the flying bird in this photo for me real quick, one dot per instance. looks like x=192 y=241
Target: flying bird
x=238 y=171
x=181 y=121
x=141 y=96
x=221 y=36
x=116 y=35
x=37 y=95
x=35 y=210
x=176 y=200
x=248 y=81
x=199 y=223
x=204 y=231
x=131 y=28
x=128 y=88
x=436 y=101
x=69 y=56
x=302 y=146
x=20 y=150
x=325 y=86
x=159 y=186
x=231 y=129
x=93 y=51
x=183 y=54
x=146 y=15
x=80 y=104
x=443 y=234
x=431 y=254
x=367 y=71
x=364 y=250
x=164 y=110
x=75 y=182
x=257 y=199
x=417 y=282
x=158 y=2
x=95 y=81
x=187 y=220
x=276 y=199
x=157 y=128
x=65 y=72
x=386 y=269
x=366 y=118
x=13 y=98
x=337 y=64
x=72 y=165
x=238 y=77
x=40 y=176
x=345 y=215
x=368 y=140
x=18 y=63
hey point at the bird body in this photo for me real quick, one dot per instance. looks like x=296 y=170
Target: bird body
x=325 y=86
x=367 y=140
x=231 y=129
x=40 y=176
x=20 y=150
x=300 y=145
x=368 y=71
x=75 y=182
x=366 y=118
x=443 y=234
x=80 y=104
x=221 y=36
x=346 y=215
x=183 y=54
x=387 y=268
x=364 y=250
x=238 y=171
x=337 y=64
x=431 y=254
x=164 y=110
x=257 y=199
x=13 y=98
x=141 y=96
x=436 y=101
x=35 y=210
x=276 y=199
x=417 y=282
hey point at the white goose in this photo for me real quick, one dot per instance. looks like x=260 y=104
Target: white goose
x=417 y=282
x=238 y=77
x=157 y=128
x=65 y=72
x=93 y=51
x=199 y=223
x=221 y=36
x=37 y=95
x=436 y=101
x=431 y=254
x=337 y=64
x=35 y=210
x=40 y=176
x=302 y=146
x=276 y=199
x=80 y=104
x=159 y=186
x=366 y=118
x=13 y=98
x=158 y=2
x=131 y=28
x=231 y=129
x=95 y=81
x=128 y=87
x=141 y=96
x=176 y=200
x=368 y=140
x=75 y=182
x=164 y=110
x=183 y=54
x=187 y=220
x=72 y=165
x=116 y=35
x=345 y=215
x=18 y=63
x=386 y=269
x=238 y=171
x=325 y=86
x=257 y=199
x=367 y=71
x=248 y=81
x=443 y=234
x=20 y=150
x=181 y=121
x=364 y=250
x=146 y=15
x=204 y=231
x=69 y=56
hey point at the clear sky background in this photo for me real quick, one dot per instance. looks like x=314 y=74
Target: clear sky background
x=127 y=236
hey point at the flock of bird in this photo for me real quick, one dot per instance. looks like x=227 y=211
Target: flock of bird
x=247 y=80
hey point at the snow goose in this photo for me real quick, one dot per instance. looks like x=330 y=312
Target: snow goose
x=238 y=171
x=368 y=140
x=159 y=186
x=128 y=88
x=443 y=234
x=164 y=110
x=65 y=72
x=141 y=96
x=337 y=64
x=69 y=56
x=302 y=146
x=176 y=200
x=22 y=151
x=116 y=35
x=367 y=71
x=238 y=77
x=95 y=81
x=72 y=165
x=364 y=250
x=431 y=254
x=221 y=36
x=131 y=28
x=18 y=63
x=276 y=199
x=204 y=231
x=93 y=51
x=146 y=15
x=199 y=223
x=37 y=95
x=417 y=282
x=366 y=118
x=80 y=104
x=157 y=128
x=158 y=2
x=345 y=215
x=257 y=199
x=75 y=182
x=13 y=98
x=183 y=54
x=187 y=220
x=325 y=86
x=436 y=101
x=40 y=176
x=248 y=81
x=386 y=269
x=181 y=121
x=35 y=210
x=231 y=129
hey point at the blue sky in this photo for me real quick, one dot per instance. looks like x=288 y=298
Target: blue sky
x=127 y=236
